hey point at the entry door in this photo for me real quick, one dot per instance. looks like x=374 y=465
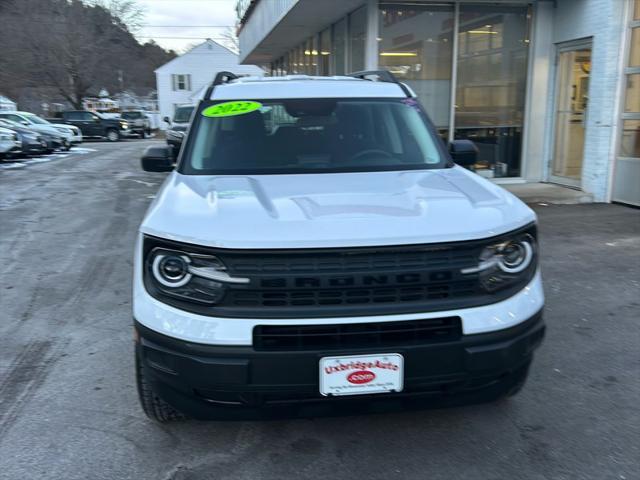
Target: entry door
x=571 y=112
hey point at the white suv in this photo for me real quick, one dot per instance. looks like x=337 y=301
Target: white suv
x=316 y=248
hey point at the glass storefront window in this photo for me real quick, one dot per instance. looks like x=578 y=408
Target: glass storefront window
x=297 y=61
x=490 y=91
x=634 y=53
x=632 y=97
x=630 y=144
x=357 y=36
x=324 y=52
x=339 y=46
x=416 y=43
x=313 y=70
x=306 y=53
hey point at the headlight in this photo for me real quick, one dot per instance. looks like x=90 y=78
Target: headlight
x=508 y=262
x=171 y=270
x=187 y=276
x=124 y=125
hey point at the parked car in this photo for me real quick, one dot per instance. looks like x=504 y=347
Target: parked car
x=318 y=246
x=9 y=143
x=94 y=125
x=33 y=143
x=54 y=142
x=138 y=122
x=69 y=135
x=178 y=127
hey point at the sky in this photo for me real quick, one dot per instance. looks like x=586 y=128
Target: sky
x=178 y=24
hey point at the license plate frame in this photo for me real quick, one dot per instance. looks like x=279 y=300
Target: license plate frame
x=348 y=375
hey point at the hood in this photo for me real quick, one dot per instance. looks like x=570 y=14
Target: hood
x=22 y=130
x=49 y=129
x=179 y=126
x=333 y=210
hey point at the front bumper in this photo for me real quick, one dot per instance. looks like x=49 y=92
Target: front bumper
x=127 y=132
x=34 y=148
x=223 y=382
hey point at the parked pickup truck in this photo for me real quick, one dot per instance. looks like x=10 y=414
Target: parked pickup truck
x=178 y=127
x=138 y=122
x=94 y=125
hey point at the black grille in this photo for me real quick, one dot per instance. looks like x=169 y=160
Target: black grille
x=356 y=296
x=354 y=335
x=352 y=260
x=359 y=281
x=347 y=282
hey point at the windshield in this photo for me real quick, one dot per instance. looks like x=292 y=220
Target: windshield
x=312 y=135
x=37 y=120
x=183 y=114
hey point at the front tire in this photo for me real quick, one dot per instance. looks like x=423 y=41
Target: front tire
x=113 y=135
x=153 y=406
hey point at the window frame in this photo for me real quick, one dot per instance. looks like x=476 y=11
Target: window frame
x=627 y=72
x=184 y=78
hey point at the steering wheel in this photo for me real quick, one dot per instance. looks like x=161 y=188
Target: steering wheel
x=372 y=151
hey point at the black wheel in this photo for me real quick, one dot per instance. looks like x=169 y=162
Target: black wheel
x=113 y=135
x=154 y=407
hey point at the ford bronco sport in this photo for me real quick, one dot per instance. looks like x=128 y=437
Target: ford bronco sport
x=316 y=246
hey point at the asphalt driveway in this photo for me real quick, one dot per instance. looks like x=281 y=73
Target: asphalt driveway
x=68 y=405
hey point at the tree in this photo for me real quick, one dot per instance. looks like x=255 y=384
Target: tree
x=127 y=12
x=229 y=39
x=74 y=47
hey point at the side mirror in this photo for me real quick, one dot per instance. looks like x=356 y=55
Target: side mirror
x=463 y=152
x=25 y=123
x=167 y=120
x=157 y=159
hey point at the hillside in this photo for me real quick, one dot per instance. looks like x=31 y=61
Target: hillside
x=69 y=50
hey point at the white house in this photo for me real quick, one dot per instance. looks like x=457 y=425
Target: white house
x=182 y=79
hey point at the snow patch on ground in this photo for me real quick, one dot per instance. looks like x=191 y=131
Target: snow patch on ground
x=23 y=162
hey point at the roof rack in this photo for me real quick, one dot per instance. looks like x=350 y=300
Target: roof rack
x=220 y=79
x=383 y=76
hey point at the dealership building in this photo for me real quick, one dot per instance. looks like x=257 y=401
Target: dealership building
x=549 y=90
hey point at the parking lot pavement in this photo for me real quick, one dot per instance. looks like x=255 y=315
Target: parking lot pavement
x=12 y=163
x=68 y=406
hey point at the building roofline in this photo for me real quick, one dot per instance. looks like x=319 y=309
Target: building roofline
x=208 y=40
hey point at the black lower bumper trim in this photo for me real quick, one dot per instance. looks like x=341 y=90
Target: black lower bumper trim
x=221 y=382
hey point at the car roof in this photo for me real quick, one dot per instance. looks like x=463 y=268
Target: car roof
x=305 y=86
